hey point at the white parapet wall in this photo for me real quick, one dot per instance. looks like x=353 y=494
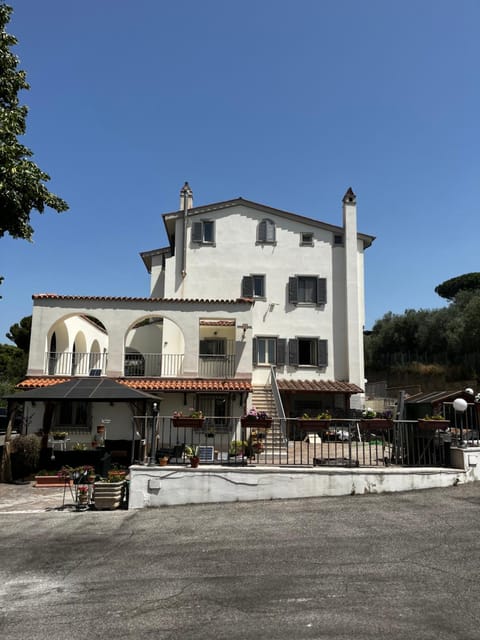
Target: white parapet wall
x=176 y=485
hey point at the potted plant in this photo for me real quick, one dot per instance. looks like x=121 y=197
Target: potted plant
x=49 y=478
x=320 y=421
x=108 y=493
x=59 y=435
x=193 y=421
x=191 y=452
x=370 y=421
x=237 y=449
x=256 y=419
x=434 y=422
x=82 y=496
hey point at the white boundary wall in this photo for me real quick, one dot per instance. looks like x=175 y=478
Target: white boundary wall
x=176 y=485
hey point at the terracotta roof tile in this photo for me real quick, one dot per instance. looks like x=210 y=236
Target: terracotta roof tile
x=318 y=386
x=154 y=384
x=186 y=384
x=54 y=296
x=37 y=383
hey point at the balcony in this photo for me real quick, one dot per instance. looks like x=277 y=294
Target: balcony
x=138 y=365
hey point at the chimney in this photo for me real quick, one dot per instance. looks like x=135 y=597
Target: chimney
x=186 y=195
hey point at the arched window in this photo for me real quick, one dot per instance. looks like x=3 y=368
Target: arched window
x=266 y=231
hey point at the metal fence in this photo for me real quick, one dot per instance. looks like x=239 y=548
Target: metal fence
x=346 y=443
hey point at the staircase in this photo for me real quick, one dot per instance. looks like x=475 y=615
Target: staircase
x=275 y=443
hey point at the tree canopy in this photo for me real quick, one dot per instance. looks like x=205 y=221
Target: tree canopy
x=450 y=288
x=22 y=182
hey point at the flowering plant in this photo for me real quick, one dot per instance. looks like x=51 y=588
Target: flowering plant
x=253 y=414
x=82 y=491
x=369 y=413
x=193 y=414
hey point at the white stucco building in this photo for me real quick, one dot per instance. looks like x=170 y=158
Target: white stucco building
x=249 y=305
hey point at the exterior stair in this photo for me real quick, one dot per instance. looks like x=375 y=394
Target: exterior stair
x=275 y=443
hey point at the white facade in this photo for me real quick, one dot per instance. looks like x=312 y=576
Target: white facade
x=250 y=288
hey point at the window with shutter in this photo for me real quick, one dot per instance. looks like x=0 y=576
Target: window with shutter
x=307 y=352
x=307 y=290
x=266 y=232
x=267 y=351
x=203 y=231
x=253 y=286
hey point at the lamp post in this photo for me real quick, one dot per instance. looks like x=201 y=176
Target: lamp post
x=153 y=441
x=460 y=405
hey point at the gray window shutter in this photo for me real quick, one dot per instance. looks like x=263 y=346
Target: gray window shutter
x=293 y=290
x=254 y=351
x=247 y=287
x=262 y=231
x=269 y=231
x=197 y=232
x=293 y=351
x=322 y=353
x=281 y=351
x=321 y=291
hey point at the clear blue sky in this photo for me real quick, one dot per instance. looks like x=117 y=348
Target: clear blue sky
x=287 y=103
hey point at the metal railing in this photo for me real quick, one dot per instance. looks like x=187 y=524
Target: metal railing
x=74 y=363
x=166 y=365
x=216 y=366
x=345 y=443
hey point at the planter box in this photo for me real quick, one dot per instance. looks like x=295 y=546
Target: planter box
x=188 y=423
x=253 y=423
x=108 y=495
x=375 y=424
x=433 y=425
x=51 y=481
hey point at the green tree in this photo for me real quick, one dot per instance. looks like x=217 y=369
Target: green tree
x=20 y=333
x=451 y=288
x=22 y=182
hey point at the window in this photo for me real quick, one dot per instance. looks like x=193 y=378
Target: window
x=203 y=232
x=253 y=286
x=307 y=290
x=72 y=414
x=267 y=350
x=306 y=239
x=266 y=232
x=311 y=352
x=338 y=239
x=212 y=347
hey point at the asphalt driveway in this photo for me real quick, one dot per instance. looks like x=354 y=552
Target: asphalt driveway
x=377 y=566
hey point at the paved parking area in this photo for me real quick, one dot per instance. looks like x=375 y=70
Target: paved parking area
x=29 y=498
x=397 y=566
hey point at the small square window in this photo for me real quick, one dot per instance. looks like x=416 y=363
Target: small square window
x=338 y=239
x=306 y=239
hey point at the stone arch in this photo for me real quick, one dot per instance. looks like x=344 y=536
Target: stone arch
x=154 y=346
x=73 y=343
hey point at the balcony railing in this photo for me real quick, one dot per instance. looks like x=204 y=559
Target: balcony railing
x=139 y=365
x=216 y=366
x=74 y=363
x=145 y=365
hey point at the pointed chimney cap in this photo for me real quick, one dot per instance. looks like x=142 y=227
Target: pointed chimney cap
x=186 y=190
x=349 y=197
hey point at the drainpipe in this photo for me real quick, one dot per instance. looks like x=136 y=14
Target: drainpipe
x=185 y=199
